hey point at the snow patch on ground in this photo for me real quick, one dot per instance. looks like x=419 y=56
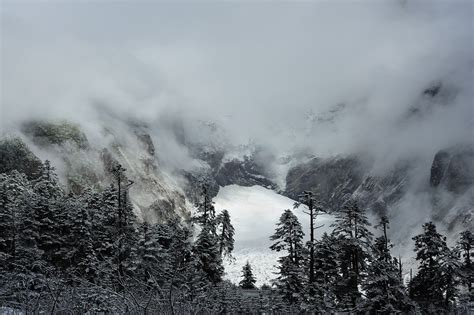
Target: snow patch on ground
x=254 y=213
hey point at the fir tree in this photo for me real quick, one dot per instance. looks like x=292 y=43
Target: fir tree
x=465 y=244
x=384 y=290
x=326 y=274
x=225 y=233
x=308 y=199
x=12 y=190
x=426 y=288
x=205 y=211
x=248 y=281
x=102 y=208
x=149 y=254
x=450 y=268
x=288 y=237
x=354 y=238
x=80 y=244
x=207 y=249
x=46 y=208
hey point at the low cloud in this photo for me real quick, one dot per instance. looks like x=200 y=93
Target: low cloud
x=326 y=78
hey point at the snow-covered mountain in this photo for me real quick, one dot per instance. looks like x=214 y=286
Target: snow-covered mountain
x=254 y=185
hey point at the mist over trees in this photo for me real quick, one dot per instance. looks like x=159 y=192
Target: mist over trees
x=88 y=252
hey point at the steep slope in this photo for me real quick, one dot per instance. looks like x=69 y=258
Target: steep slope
x=82 y=162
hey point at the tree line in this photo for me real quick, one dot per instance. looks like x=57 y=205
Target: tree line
x=75 y=253
x=348 y=270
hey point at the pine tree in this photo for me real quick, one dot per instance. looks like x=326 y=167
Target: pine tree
x=207 y=249
x=46 y=209
x=149 y=255
x=288 y=237
x=79 y=247
x=308 y=199
x=225 y=234
x=12 y=189
x=326 y=274
x=126 y=233
x=354 y=241
x=102 y=208
x=21 y=263
x=465 y=244
x=450 y=268
x=426 y=288
x=383 y=286
x=205 y=211
x=248 y=281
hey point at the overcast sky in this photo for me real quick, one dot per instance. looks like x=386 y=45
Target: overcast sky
x=335 y=77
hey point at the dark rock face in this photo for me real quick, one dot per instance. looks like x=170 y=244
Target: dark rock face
x=218 y=172
x=15 y=155
x=377 y=193
x=48 y=133
x=146 y=140
x=454 y=169
x=331 y=179
x=438 y=168
x=243 y=173
x=195 y=180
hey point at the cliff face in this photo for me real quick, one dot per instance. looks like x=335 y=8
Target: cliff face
x=446 y=196
x=160 y=194
x=81 y=162
x=453 y=169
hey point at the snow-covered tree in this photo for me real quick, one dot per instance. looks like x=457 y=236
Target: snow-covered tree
x=207 y=249
x=225 y=233
x=354 y=246
x=322 y=297
x=12 y=192
x=309 y=199
x=205 y=211
x=149 y=255
x=426 y=288
x=288 y=237
x=47 y=212
x=465 y=245
x=248 y=280
x=79 y=246
x=384 y=290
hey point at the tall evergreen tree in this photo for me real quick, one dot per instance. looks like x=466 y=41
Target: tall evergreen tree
x=248 y=280
x=383 y=287
x=205 y=211
x=149 y=254
x=12 y=190
x=47 y=213
x=79 y=246
x=450 y=268
x=102 y=207
x=309 y=199
x=207 y=249
x=465 y=245
x=426 y=288
x=326 y=274
x=225 y=233
x=288 y=237
x=126 y=233
x=354 y=238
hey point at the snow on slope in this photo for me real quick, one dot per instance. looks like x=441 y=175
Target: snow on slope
x=254 y=212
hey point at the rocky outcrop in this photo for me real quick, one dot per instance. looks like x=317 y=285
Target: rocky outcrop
x=331 y=179
x=242 y=172
x=453 y=169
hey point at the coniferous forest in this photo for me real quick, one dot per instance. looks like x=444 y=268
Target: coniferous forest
x=66 y=253
x=236 y=157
